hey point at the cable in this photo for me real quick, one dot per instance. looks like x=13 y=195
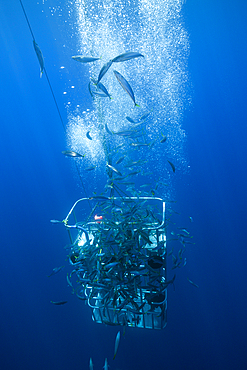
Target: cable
x=53 y=95
x=27 y=20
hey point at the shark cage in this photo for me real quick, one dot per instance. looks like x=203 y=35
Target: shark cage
x=118 y=243
x=118 y=254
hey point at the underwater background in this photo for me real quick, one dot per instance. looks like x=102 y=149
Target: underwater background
x=193 y=78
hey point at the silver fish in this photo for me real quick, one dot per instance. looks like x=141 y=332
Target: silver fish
x=90 y=168
x=136 y=163
x=125 y=133
x=55 y=271
x=113 y=169
x=40 y=57
x=172 y=166
x=70 y=153
x=126 y=56
x=56 y=222
x=127 y=183
x=103 y=88
x=131 y=120
x=103 y=70
x=138 y=144
x=116 y=344
x=184 y=230
x=107 y=129
x=145 y=185
x=59 y=303
x=105 y=367
x=133 y=173
x=120 y=159
x=90 y=90
x=101 y=94
x=88 y=135
x=145 y=115
x=125 y=85
x=69 y=282
x=111 y=264
x=82 y=59
x=192 y=283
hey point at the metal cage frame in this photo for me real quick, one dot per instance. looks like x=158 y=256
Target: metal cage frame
x=121 y=263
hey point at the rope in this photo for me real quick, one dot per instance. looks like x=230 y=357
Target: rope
x=53 y=95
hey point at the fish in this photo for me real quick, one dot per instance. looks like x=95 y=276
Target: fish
x=116 y=210
x=191 y=219
x=184 y=230
x=105 y=367
x=59 y=303
x=140 y=162
x=82 y=59
x=116 y=344
x=103 y=70
x=88 y=135
x=90 y=364
x=145 y=115
x=191 y=282
x=152 y=143
x=56 y=222
x=69 y=282
x=147 y=173
x=126 y=56
x=127 y=133
x=135 y=134
x=131 y=120
x=185 y=236
x=82 y=298
x=70 y=153
x=107 y=129
x=133 y=173
x=101 y=94
x=180 y=253
x=40 y=57
x=103 y=88
x=172 y=165
x=120 y=160
x=55 y=271
x=90 y=168
x=171 y=251
x=145 y=185
x=165 y=285
x=126 y=86
x=113 y=169
x=145 y=237
x=139 y=144
x=90 y=91
x=163 y=140
x=119 y=178
x=176 y=262
x=111 y=264
x=137 y=124
x=127 y=183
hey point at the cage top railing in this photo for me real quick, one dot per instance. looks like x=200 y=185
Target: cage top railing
x=78 y=225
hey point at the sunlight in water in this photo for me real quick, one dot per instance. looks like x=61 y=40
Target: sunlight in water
x=154 y=28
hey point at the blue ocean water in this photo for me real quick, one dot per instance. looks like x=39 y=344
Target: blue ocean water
x=204 y=118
